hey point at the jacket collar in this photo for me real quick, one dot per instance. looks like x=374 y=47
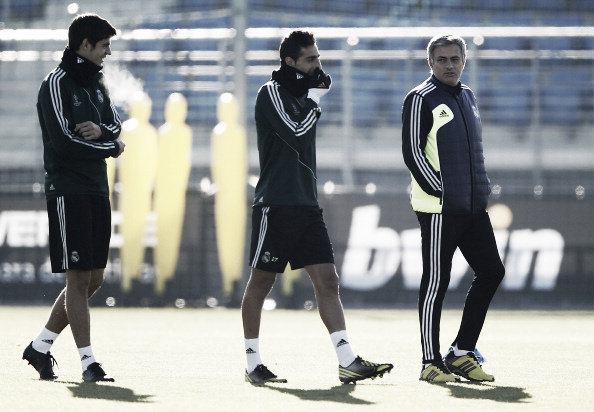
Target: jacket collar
x=80 y=69
x=453 y=90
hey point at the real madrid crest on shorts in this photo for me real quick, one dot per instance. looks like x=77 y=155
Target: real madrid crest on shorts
x=266 y=257
x=74 y=256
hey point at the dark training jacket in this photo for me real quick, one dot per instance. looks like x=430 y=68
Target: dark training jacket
x=286 y=127
x=443 y=149
x=75 y=92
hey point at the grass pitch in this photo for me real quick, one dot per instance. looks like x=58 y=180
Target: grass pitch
x=177 y=360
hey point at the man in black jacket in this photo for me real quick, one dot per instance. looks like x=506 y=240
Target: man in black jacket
x=80 y=129
x=442 y=147
x=287 y=222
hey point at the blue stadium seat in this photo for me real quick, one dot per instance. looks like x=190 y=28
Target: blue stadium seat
x=24 y=9
x=500 y=5
x=548 y=5
x=165 y=21
x=258 y=19
x=510 y=19
x=202 y=5
x=371 y=96
x=511 y=100
x=210 y=22
x=567 y=96
x=561 y=43
x=554 y=43
x=508 y=43
x=583 y=5
x=562 y=19
x=465 y=18
x=560 y=107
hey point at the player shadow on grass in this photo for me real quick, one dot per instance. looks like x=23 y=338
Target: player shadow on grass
x=109 y=392
x=340 y=394
x=478 y=390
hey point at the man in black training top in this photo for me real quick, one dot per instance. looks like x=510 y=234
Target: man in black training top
x=80 y=129
x=287 y=222
x=443 y=148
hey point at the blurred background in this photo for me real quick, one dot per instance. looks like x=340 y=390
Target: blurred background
x=530 y=64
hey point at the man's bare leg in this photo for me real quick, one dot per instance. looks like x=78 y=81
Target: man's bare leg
x=58 y=319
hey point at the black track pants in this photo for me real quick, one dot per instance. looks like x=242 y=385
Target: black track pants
x=441 y=235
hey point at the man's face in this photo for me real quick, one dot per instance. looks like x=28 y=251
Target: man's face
x=95 y=54
x=447 y=64
x=309 y=60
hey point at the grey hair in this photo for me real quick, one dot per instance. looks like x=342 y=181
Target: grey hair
x=445 y=40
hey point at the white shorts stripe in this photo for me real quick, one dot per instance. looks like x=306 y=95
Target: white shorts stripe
x=261 y=234
x=62 y=219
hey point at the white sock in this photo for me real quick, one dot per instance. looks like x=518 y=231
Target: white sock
x=460 y=352
x=44 y=341
x=252 y=354
x=86 y=357
x=343 y=349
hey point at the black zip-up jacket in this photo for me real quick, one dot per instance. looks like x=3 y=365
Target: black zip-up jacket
x=75 y=92
x=286 y=125
x=443 y=149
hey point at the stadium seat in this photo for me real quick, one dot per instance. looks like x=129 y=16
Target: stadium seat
x=548 y=5
x=565 y=96
x=511 y=101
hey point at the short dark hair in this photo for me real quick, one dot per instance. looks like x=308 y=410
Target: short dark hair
x=446 y=40
x=91 y=27
x=292 y=44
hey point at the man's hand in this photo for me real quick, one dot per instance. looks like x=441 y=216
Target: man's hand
x=88 y=130
x=121 y=145
x=319 y=86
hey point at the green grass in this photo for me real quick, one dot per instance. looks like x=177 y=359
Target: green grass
x=176 y=360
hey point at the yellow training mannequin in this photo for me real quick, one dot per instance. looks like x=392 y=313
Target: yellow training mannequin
x=137 y=176
x=229 y=173
x=173 y=172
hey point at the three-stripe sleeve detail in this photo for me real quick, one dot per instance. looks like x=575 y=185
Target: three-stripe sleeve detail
x=299 y=128
x=57 y=105
x=415 y=129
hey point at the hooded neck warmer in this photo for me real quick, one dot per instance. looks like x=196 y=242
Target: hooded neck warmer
x=80 y=69
x=295 y=81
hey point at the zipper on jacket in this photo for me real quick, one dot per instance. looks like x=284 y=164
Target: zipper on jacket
x=91 y=100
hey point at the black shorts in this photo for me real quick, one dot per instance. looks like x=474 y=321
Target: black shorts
x=79 y=232
x=293 y=234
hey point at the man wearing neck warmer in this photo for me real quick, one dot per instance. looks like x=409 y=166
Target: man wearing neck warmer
x=80 y=129
x=287 y=222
